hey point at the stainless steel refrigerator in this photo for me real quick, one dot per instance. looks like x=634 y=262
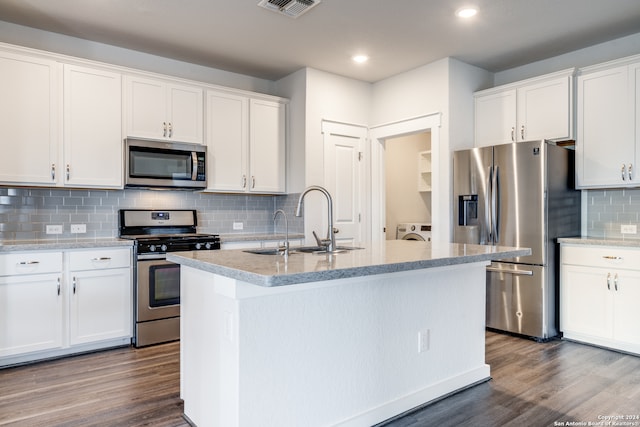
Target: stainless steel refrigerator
x=519 y=194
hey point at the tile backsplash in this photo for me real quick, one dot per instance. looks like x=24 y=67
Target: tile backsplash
x=25 y=212
x=608 y=209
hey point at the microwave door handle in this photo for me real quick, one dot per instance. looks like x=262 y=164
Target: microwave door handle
x=194 y=166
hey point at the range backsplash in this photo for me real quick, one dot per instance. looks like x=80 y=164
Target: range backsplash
x=608 y=209
x=24 y=212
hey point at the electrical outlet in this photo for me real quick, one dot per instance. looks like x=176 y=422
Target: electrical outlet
x=628 y=229
x=78 y=228
x=54 y=229
x=423 y=341
x=238 y=226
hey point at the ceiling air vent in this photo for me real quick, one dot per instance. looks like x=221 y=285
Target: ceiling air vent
x=291 y=8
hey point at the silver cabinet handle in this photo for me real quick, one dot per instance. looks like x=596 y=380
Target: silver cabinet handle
x=244 y=181
x=68 y=172
x=522 y=132
x=58 y=286
x=53 y=171
x=102 y=258
x=630 y=171
x=613 y=257
x=74 y=284
x=615 y=282
x=624 y=178
x=609 y=281
x=513 y=134
x=253 y=182
x=170 y=130
x=25 y=263
x=164 y=129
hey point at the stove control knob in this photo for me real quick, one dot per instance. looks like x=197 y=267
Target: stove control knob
x=208 y=246
x=198 y=246
x=163 y=248
x=152 y=248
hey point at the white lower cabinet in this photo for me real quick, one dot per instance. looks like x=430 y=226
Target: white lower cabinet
x=599 y=296
x=100 y=295
x=64 y=302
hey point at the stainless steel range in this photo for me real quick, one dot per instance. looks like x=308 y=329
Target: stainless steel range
x=157 y=289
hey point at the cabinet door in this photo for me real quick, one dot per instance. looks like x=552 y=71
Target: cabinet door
x=92 y=128
x=28 y=119
x=605 y=140
x=585 y=301
x=544 y=110
x=101 y=305
x=495 y=118
x=146 y=108
x=267 y=147
x=185 y=114
x=626 y=290
x=31 y=314
x=227 y=141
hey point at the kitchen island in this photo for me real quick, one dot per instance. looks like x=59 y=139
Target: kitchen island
x=348 y=339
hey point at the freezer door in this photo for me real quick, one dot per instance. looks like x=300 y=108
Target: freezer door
x=519 y=302
x=471 y=179
x=519 y=188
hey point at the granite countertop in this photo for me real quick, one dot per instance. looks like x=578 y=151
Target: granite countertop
x=385 y=257
x=61 y=244
x=600 y=241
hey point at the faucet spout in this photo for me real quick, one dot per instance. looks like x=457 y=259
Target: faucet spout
x=331 y=235
x=286 y=231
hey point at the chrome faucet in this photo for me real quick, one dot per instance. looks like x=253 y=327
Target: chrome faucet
x=330 y=241
x=285 y=251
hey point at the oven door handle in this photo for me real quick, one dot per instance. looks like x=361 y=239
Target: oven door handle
x=151 y=257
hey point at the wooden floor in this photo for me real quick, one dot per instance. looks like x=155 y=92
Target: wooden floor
x=533 y=385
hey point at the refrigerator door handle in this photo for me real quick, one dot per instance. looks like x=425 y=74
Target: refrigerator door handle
x=488 y=207
x=495 y=196
x=510 y=271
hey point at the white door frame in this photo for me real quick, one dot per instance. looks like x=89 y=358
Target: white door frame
x=378 y=134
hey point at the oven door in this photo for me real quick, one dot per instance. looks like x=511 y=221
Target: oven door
x=158 y=290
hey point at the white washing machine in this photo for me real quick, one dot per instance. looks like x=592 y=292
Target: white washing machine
x=413 y=231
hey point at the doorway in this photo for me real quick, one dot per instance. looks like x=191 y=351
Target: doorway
x=407 y=173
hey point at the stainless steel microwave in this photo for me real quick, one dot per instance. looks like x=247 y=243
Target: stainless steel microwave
x=164 y=164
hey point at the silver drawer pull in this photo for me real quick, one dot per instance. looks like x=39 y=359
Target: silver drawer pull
x=609 y=281
x=612 y=257
x=102 y=258
x=615 y=281
x=24 y=263
x=509 y=271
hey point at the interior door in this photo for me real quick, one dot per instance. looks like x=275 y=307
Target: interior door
x=344 y=151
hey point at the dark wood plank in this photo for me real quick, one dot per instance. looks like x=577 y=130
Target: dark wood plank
x=533 y=384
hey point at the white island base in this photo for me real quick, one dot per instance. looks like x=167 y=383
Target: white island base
x=344 y=352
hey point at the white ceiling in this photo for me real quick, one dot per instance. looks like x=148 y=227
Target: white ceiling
x=398 y=35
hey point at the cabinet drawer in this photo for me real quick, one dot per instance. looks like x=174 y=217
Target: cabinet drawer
x=99 y=259
x=19 y=263
x=601 y=256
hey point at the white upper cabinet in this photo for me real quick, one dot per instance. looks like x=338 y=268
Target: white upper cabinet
x=92 y=132
x=246 y=141
x=29 y=120
x=606 y=150
x=158 y=109
x=539 y=108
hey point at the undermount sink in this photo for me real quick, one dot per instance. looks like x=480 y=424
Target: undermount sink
x=269 y=251
x=303 y=249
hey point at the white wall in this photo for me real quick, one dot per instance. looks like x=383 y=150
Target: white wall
x=618 y=48
x=72 y=46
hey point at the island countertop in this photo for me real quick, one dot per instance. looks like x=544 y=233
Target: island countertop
x=378 y=258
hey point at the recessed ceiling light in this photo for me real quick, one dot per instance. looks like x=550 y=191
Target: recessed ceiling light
x=360 y=58
x=466 y=12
